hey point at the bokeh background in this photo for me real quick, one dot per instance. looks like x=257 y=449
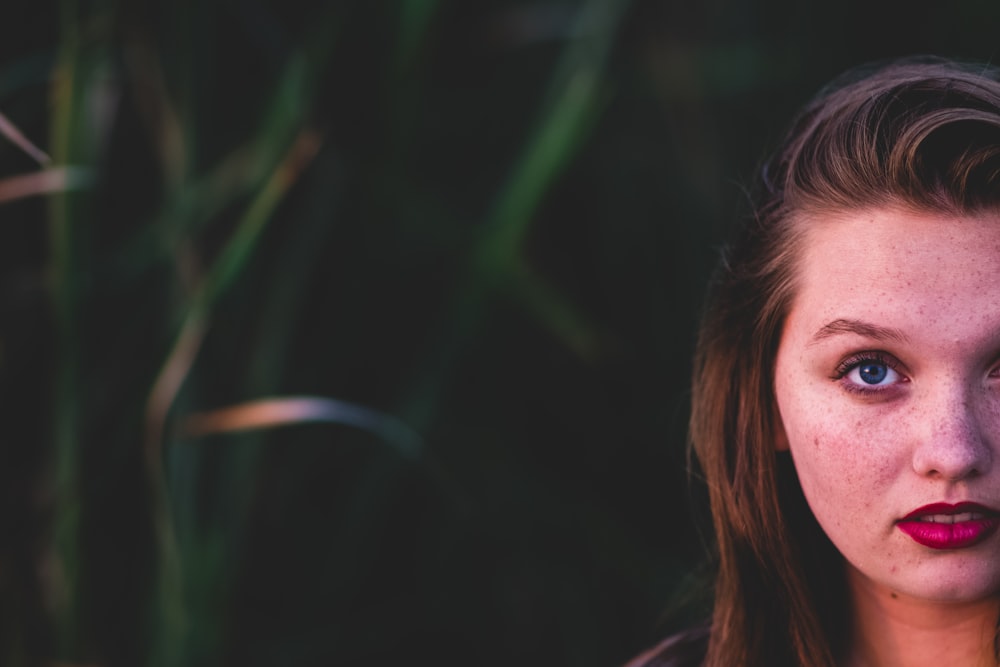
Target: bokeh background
x=358 y=332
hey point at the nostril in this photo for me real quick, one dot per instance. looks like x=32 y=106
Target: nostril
x=956 y=452
x=954 y=447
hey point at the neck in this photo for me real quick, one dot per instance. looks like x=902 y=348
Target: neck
x=894 y=630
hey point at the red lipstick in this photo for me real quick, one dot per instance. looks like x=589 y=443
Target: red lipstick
x=944 y=526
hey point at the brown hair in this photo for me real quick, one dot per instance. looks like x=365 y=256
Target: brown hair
x=923 y=135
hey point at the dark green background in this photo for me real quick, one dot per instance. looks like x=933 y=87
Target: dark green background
x=502 y=240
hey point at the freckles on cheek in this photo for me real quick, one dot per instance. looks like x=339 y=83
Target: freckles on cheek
x=853 y=445
x=841 y=468
x=872 y=453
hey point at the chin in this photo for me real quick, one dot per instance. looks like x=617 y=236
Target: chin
x=954 y=577
x=954 y=585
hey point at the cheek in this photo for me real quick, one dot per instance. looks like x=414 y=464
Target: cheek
x=845 y=456
x=840 y=462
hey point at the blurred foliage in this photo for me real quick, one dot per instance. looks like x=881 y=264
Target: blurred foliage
x=357 y=333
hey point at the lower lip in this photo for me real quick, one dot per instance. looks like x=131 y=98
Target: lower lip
x=950 y=535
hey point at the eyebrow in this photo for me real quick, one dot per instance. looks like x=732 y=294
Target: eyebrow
x=859 y=328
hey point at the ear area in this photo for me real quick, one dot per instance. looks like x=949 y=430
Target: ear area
x=780 y=437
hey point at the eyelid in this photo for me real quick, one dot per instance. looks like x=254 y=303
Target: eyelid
x=855 y=359
x=851 y=362
x=994 y=367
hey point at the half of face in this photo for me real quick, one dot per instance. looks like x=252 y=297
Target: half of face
x=887 y=381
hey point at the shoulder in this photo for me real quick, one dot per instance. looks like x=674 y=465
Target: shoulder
x=685 y=649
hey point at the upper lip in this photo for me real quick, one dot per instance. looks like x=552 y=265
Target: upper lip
x=947 y=508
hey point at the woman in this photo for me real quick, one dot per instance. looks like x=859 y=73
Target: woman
x=846 y=399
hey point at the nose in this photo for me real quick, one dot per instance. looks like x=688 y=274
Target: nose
x=955 y=442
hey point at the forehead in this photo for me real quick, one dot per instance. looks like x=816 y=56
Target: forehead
x=907 y=267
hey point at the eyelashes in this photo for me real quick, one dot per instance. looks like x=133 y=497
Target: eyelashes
x=868 y=372
x=874 y=372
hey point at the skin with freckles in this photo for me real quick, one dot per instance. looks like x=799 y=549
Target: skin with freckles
x=887 y=381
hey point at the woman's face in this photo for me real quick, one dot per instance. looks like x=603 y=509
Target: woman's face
x=888 y=384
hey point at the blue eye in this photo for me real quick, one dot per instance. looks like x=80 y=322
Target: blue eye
x=868 y=372
x=873 y=373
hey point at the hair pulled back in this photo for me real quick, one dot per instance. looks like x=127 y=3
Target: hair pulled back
x=919 y=135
